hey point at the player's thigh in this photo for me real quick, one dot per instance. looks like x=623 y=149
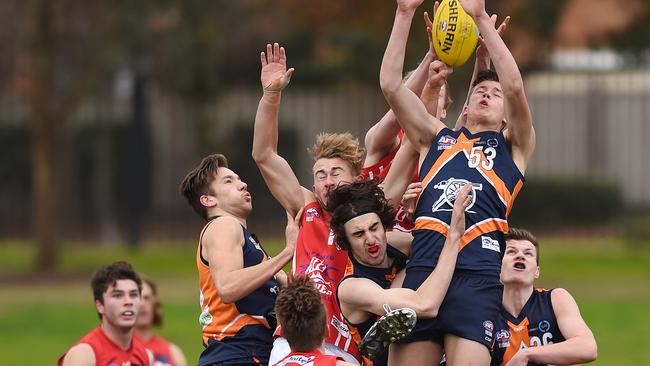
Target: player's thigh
x=465 y=352
x=424 y=353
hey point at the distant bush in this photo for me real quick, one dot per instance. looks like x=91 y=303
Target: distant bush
x=565 y=203
x=636 y=228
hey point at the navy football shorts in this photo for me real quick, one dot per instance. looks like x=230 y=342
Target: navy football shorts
x=469 y=310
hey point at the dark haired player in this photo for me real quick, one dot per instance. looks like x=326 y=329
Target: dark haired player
x=360 y=217
x=480 y=152
x=537 y=326
x=116 y=289
x=238 y=281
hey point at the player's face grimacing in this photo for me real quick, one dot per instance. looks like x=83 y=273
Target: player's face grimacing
x=231 y=193
x=367 y=239
x=147 y=307
x=519 y=263
x=329 y=173
x=486 y=109
x=121 y=304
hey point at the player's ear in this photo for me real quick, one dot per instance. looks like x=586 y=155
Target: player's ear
x=100 y=307
x=208 y=200
x=537 y=273
x=465 y=110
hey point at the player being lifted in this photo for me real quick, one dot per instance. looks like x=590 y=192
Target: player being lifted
x=536 y=326
x=481 y=152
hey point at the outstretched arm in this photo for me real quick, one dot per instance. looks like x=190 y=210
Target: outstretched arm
x=382 y=138
x=365 y=295
x=481 y=63
x=579 y=346
x=520 y=133
x=277 y=173
x=413 y=117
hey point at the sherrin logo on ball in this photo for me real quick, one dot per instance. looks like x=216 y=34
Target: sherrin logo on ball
x=454 y=33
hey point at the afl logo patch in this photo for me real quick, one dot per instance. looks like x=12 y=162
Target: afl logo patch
x=446 y=142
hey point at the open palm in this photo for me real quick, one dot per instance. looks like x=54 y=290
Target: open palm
x=275 y=76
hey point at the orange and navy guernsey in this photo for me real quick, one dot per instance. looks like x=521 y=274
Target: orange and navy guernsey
x=454 y=159
x=318 y=257
x=378 y=171
x=240 y=331
x=108 y=353
x=313 y=358
x=161 y=349
x=382 y=277
x=535 y=326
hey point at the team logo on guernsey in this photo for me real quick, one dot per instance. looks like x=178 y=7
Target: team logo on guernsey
x=450 y=189
x=544 y=326
x=316 y=272
x=311 y=213
x=446 y=142
x=300 y=360
x=503 y=336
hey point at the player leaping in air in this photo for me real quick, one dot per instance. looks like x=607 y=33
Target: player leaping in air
x=492 y=149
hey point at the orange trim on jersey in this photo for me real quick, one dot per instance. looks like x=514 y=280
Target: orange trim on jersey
x=472 y=233
x=515 y=192
x=518 y=335
x=431 y=224
x=356 y=338
x=462 y=144
x=484 y=227
x=227 y=321
x=497 y=183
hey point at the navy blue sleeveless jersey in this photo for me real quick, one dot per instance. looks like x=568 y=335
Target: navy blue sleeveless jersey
x=454 y=159
x=382 y=277
x=535 y=326
x=241 y=331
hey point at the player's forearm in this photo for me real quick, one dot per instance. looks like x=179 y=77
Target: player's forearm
x=504 y=63
x=434 y=288
x=418 y=79
x=237 y=284
x=429 y=98
x=381 y=138
x=400 y=173
x=265 y=133
x=390 y=75
x=572 y=351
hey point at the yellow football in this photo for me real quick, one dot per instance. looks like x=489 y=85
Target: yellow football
x=454 y=33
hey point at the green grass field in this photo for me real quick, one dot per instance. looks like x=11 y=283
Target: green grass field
x=41 y=317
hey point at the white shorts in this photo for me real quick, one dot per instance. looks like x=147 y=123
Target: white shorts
x=281 y=349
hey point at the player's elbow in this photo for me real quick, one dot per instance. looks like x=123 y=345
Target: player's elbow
x=590 y=352
x=428 y=310
x=227 y=294
x=389 y=85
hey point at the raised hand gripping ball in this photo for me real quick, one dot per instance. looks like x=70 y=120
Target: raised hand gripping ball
x=454 y=33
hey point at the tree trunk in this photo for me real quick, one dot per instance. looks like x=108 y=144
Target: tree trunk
x=45 y=170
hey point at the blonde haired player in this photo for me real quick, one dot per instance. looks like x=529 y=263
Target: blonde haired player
x=481 y=153
x=337 y=160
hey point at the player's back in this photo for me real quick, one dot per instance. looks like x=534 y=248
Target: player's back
x=313 y=358
x=456 y=158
